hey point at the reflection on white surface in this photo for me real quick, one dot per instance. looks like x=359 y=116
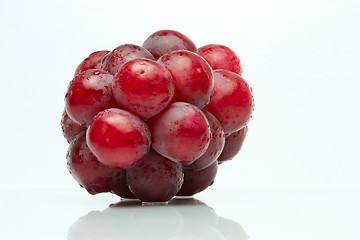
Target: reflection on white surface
x=180 y=219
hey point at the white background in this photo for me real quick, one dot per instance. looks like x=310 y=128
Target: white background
x=302 y=59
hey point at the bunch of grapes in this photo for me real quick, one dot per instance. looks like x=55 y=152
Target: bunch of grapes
x=154 y=121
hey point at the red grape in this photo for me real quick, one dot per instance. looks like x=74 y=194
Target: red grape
x=221 y=57
x=192 y=76
x=93 y=61
x=196 y=181
x=70 y=129
x=156 y=179
x=181 y=132
x=88 y=94
x=143 y=87
x=118 y=138
x=166 y=41
x=121 y=188
x=233 y=144
x=87 y=170
x=216 y=145
x=123 y=53
x=232 y=101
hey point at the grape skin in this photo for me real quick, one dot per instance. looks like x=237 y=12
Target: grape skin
x=156 y=179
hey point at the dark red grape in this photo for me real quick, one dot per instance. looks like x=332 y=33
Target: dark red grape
x=93 y=61
x=70 y=129
x=155 y=179
x=118 y=138
x=87 y=170
x=121 y=188
x=233 y=144
x=192 y=76
x=196 y=181
x=181 y=132
x=123 y=53
x=143 y=87
x=166 y=41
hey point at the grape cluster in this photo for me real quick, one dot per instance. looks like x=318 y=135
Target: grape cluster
x=154 y=121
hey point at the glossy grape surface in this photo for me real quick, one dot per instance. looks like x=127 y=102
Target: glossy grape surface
x=196 y=181
x=88 y=94
x=166 y=41
x=233 y=144
x=121 y=187
x=123 y=53
x=143 y=87
x=156 y=179
x=221 y=57
x=215 y=147
x=93 y=61
x=70 y=129
x=192 y=77
x=232 y=101
x=180 y=133
x=118 y=138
